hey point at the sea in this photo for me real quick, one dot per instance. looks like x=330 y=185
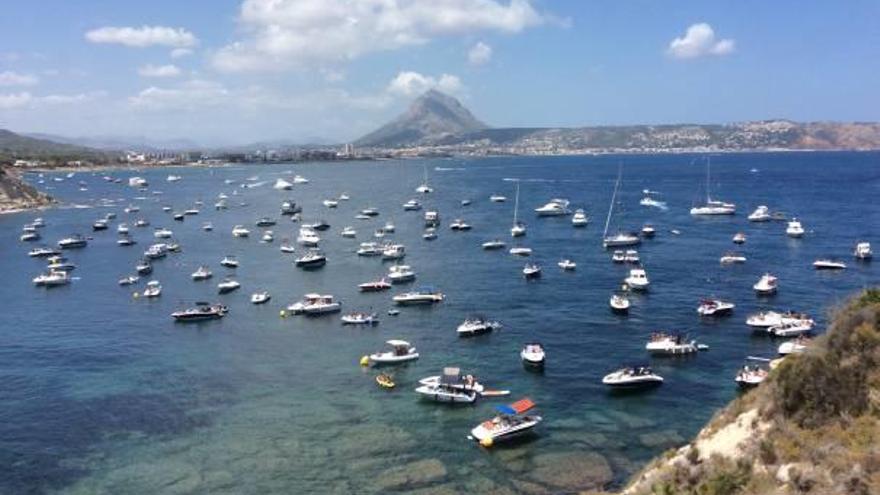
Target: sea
x=102 y=392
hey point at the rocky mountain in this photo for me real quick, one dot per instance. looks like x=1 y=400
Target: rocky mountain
x=432 y=117
x=17 y=146
x=16 y=195
x=121 y=143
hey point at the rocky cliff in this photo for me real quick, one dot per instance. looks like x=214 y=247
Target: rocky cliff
x=15 y=194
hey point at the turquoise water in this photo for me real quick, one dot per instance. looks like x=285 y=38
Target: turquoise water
x=104 y=393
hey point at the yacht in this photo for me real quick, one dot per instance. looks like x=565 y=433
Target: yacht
x=30 y=236
x=370 y=212
x=379 y=233
x=648 y=231
x=766 y=285
x=122 y=228
x=162 y=233
x=201 y=312
x=447 y=391
x=518 y=228
x=141 y=222
x=430 y=234
x=394 y=252
x=375 y=286
x=494 y=244
x=761 y=214
x=286 y=247
x=459 y=381
x=715 y=307
x=794 y=229
x=38 y=222
x=178 y=217
x=399 y=274
x=476 y=325
x=401 y=351
x=632 y=377
x=129 y=280
x=792 y=328
x=289 y=207
x=531 y=270
x=424 y=295
x=412 y=205
x=511 y=422
x=828 y=264
x=240 y=231
x=228 y=285
x=763 y=320
x=554 y=208
x=580 y=218
x=318 y=226
x=360 y=318
x=229 y=261
x=732 y=258
x=153 y=289
x=143 y=267
x=43 y=251
x=637 y=279
x=299 y=179
x=261 y=297
x=265 y=222
x=156 y=251
x=344 y=197
x=60 y=264
x=191 y=211
x=620 y=239
x=670 y=345
x=73 y=242
x=314 y=258
x=308 y=237
x=282 y=185
x=268 y=236
x=520 y=251
x=631 y=256
x=465 y=202
x=389 y=227
x=739 y=238
x=132 y=209
x=619 y=303
x=331 y=203
x=370 y=249
x=750 y=376
x=126 y=240
x=315 y=304
x=567 y=264
x=432 y=218
x=202 y=273
x=349 y=232
x=712 y=207
x=532 y=354
x=424 y=188
x=863 y=251
x=221 y=205
x=797 y=346
x=100 y=225
x=459 y=224
x=52 y=279
x=618 y=256
x=173 y=178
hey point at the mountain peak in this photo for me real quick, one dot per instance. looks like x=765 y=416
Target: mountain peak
x=432 y=116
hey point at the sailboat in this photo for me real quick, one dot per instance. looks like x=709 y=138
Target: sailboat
x=620 y=238
x=424 y=188
x=518 y=229
x=713 y=206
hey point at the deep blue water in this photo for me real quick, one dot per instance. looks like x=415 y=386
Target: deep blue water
x=102 y=392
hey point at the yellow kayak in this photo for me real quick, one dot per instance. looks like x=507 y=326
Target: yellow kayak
x=385 y=381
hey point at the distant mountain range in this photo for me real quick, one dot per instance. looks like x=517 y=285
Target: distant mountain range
x=13 y=146
x=121 y=143
x=439 y=121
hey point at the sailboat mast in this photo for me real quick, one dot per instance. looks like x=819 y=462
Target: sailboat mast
x=516 y=203
x=611 y=206
x=708 y=167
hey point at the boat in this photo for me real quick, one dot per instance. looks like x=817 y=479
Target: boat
x=766 y=285
x=532 y=354
x=191 y=211
x=796 y=346
x=567 y=264
x=792 y=328
x=202 y=273
x=554 y=208
x=715 y=307
x=424 y=188
x=144 y=267
x=662 y=344
x=370 y=212
x=750 y=376
x=153 y=289
x=531 y=270
x=229 y=261
x=314 y=258
x=349 y=232
x=129 y=280
x=221 y=205
x=401 y=351
x=162 y=233
x=261 y=297
x=389 y=227
x=637 y=279
x=178 y=217
x=828 y=264
x=370 y=249
x=201 y=312
x=138 y=182
x=318 y=226
x=421 y=296
x=443 y=392
x=330 y=203
x=648 y=231
x=394 y=252
x=132 y=209
x=286 y=247
x=619 y=303
x=761 y=214
x=359 y=318
x=731 y=258
x=344 y=197
x=282 y=185
x=739 y=238
x=308 y=237
x=412 y=205
x=520 y=251
x=385 y=380
x=631 y=256
x=620 y=239
x=649 y=201
x=73 y=242
x=374 y=286
x=459 y=224
x=156 y=251
x=618 y=256
x=240 y=231
x=794 y=229
x=60 y=264
x=299 y=179
x=38 y=222
x=173 y=178
x=637 y=376
x=430 y=234
x=863 y=251
x=122 y=228
x=399 y=274
x=265 y=222
x=518 y=229
x=712 y=207
x=766 y=319
x=268 y=236
x=580 y=218
x=52 y=278
x=141 y=222
x=476 y=325
x=494 y=244
x=289 y=207
x=43 y=251
x=511 y=422
x=497 y=198
x=315 y=304
x=432 y=218
x=379 y=233
x=228 y=285
x=29 y=237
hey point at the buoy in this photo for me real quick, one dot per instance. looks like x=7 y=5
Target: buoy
x=486 y=442
x=282 y=313
x=135 y=295
x=365 y=360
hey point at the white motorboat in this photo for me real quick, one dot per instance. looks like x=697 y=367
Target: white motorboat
x=53 y=278
x=314 y=258
x=828 y=264
x=43 y=251
x=618 y=256
x=60 y=264
x=620 y=239
x=863 y=251
x=268 y=236
x=265 y=222
x=554 y=208
x=359 y=318
x=132 y=209
x=142 y=222
x=619 y=303
x=422 y=296
x=389 y=227
x=399 y=274
x=794 y=229
x=73 y=242
x=240 y=231
x=497 y=198
x=379 y=233
x=430 y=234
x=715 y=307
x=228 y=285
x=663 y=344
x=424 y=188
x=137 y=182
x=441 y=392
x=289 y=207
x=750 y=376
x=767 y=319
x=632 y=377
x=712 y=207
x=511 y=422
x=229 y=261
x=100 y=225
x=739 y=238
x=308 y=237
x=580 y=218
x=129 y=280
x=221 y=205
x=401 y=351
x=797 y=346
x=315 y=304
x=143 y=267
x=631 y=256
x=173 y=178
x=38 y=222
x=374 y=286
x=761 y=214
x=649 y=201
x=768 y=284
x=156 y=251
x=637 y=279
x=567 y=264
x=476 y=325
x=29 y=237
x=517 y=229
x=412 y=205
x=191 y=211
x=456 y=380
x=122 y=228
x=202 y=273
x=330 y=203
x=532 y=354
x=370 y=212
x=349 y=232
x=531 y=270
x=432 y=218
x=162 y=233
x=282 y=185
x=299 y=179
x=732 y=258
x=520 y=251
x=792 y=328
x=394 y=252
x=201 y=312
x=344 y=197
x=648 y=231
x=261 y=297
x=287 y=248
x=494 y=244
x=153 y=289
x=370 y=249
x=459 y=224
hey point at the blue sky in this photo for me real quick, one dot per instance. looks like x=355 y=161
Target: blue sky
x=235 y=71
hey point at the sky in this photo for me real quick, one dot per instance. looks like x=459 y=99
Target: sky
x=226 y=72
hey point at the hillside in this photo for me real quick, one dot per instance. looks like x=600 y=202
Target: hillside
x=812 y=427
x=15 y=194
x=16 y=146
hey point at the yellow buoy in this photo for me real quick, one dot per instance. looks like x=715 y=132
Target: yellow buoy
x=486 y=442
x=282 y=313
x=365 y=360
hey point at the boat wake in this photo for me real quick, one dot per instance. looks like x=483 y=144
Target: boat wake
x=448 y=169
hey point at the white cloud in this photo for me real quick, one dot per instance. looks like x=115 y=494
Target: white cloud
x=143 y=36
x=181 y=52
x=26 y=99
x=159 y=71
x=288 y=33
x=10 y=78
x=700 y=41
x=409 y=83
x=480 y=54
x=189 y=95
x=14 y=100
